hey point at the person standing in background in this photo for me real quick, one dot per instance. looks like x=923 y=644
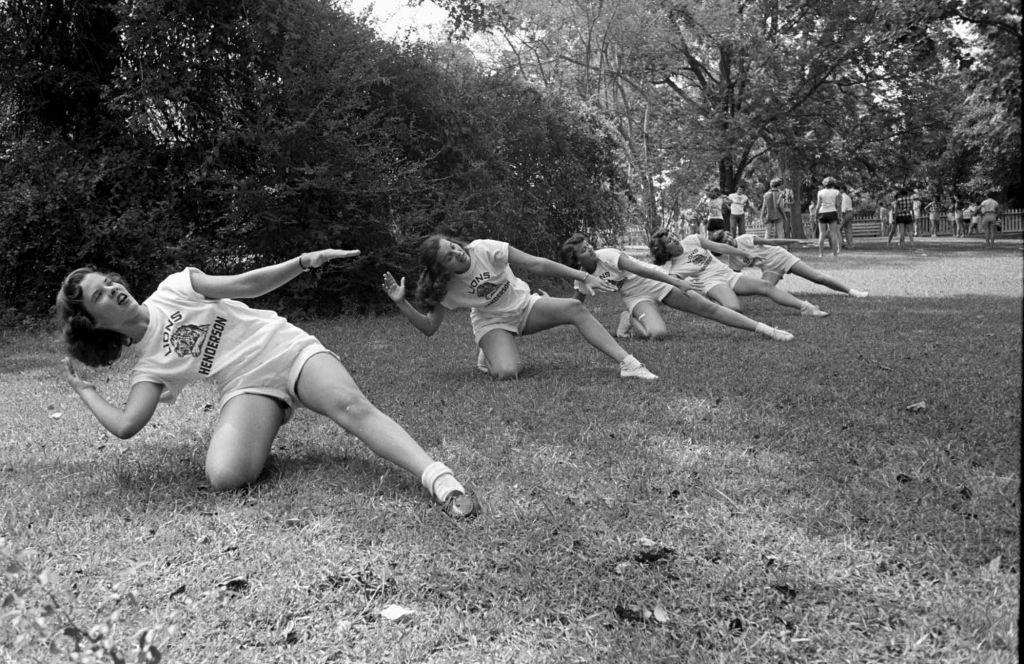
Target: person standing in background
x=846 y=218
x=933 y=209
x=989 y=211
x=827 y=209
x=738 y=204
x=774 y=211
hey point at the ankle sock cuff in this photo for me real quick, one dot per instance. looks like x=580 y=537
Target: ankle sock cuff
x=431 y=473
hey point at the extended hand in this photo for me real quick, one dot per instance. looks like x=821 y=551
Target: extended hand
x=76 y=382
x=314 y=259
x=394 y=289
x=592 y=284
x=686 y=285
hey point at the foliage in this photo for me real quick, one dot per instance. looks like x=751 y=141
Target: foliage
x=722 y=91
x=233 y=135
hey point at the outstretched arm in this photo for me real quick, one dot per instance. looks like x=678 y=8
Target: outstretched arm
x=122 y=422
x=778 y=242
x=550 y=268
x=721 y=248
x=427 y=323
x=651 y=272
x=264 y=279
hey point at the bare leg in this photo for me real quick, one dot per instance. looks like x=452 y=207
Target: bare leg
x=551 y=312
x=325 y=387
x=723 y=295
x=503 y=359
x=693 y=302
x=241 y=440
x=647 y=321
x=822 y=231
x=804 y=270
x=749 y=286
x=833 y=232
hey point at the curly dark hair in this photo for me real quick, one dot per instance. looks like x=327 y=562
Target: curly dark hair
x=657 y=245
x=432 y=285
x=567 y=252
x=85 y=342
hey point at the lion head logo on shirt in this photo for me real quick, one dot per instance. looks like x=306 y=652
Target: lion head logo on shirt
x=486 y=289
x=188 y=339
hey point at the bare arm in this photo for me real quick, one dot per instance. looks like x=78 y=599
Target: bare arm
x=122 y=422
x=720 y=248
x=778 y=242
x=427 y=323
x=264 y=279
x=550 y=268
x=652 y=272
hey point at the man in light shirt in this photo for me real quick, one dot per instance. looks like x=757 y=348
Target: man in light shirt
x=989 y=213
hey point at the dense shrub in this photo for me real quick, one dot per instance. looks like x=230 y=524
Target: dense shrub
x=226 y=136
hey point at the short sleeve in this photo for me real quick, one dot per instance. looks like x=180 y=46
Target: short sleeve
x=495 y=252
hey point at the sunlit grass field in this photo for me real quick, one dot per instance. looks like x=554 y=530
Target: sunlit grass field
x=763 y=501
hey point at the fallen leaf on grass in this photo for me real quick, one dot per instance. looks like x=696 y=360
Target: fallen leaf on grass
x=395 y=612
x=917 y=407
x=56 y=416
x=993 y=566
x=652 y=552
x=660 y=614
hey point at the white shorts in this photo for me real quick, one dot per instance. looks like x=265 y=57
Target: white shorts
x=713 y=275
x=644 y=290
x=513 y=321
x=780 y=265
x=282 y=385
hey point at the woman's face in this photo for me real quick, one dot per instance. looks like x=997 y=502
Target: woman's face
x=108 y=302
x=672 y=244
x=585 y=255
x=452 y=257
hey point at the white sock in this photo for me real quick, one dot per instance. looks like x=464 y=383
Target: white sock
x=805 y=305
x=629 y=361
x=761 y=328
x=438 y=479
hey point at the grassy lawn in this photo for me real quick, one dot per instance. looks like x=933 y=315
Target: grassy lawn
x=761 y=502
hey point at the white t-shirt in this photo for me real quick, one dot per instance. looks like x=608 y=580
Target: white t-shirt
x=488 y=287
x=773 y=258
x=988 y=209
x=633 y=288
x=827 y=199
x=847 y=203
x=191 y=337
x=738 y=203
x=608 y=269
x=714 y=207
x=699 y=264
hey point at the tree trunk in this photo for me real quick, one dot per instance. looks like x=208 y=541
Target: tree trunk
x=793 y=178
x=726 y=175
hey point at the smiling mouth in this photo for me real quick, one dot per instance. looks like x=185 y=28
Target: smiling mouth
x=121 y=299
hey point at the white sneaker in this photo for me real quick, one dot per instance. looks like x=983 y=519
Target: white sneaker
x=622 y=331
x=481 y=362
x=778 y=335
x=633 y=368
x=813 y=310
x=858 y=293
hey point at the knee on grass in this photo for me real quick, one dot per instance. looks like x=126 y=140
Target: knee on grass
x=505 y=370
x=227 y=477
